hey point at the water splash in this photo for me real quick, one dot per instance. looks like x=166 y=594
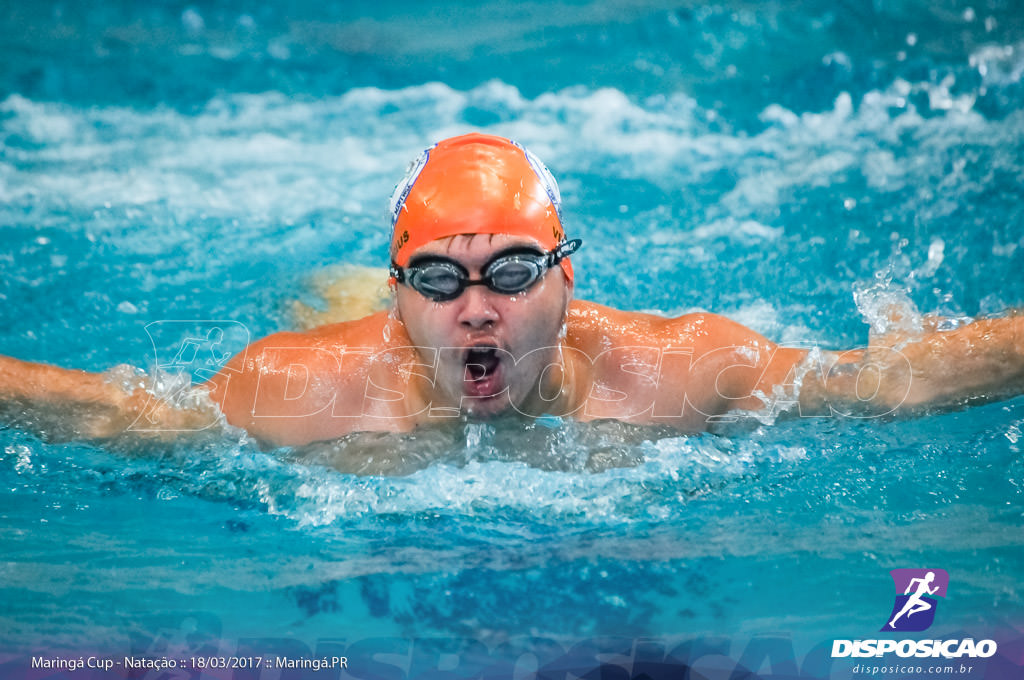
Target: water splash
x=888 y=309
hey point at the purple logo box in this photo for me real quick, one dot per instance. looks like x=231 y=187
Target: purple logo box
x=916 y=593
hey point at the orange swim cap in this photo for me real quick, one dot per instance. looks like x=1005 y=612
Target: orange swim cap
x=475 y=184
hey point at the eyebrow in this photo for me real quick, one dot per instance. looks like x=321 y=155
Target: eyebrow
x=437 y=257
x=469 y=239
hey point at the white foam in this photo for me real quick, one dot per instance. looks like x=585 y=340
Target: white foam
x=742 y=231
x=315 y=496
x=999 y=64
x=266 y=158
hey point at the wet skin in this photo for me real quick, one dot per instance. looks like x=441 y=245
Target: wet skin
x=523 y=328
x=485 y=353
x=415 y=365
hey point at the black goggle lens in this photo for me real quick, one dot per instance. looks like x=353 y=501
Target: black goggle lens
x=438 y=280
x=442 y=281
x=513 y=274
x=508 y=274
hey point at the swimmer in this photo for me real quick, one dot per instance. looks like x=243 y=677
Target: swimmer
x=483 y=322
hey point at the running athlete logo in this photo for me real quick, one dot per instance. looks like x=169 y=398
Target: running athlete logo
x=914 y=610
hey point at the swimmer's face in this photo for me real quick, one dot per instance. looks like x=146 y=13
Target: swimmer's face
x=491 y=348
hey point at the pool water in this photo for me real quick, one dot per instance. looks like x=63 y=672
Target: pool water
x=810 y=169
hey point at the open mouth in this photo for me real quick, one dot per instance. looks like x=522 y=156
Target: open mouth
x=483 y=371
x=481 y=362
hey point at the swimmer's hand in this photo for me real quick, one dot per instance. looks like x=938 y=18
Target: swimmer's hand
x=61 y=404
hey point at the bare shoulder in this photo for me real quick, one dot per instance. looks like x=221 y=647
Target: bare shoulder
x=673 y=370
x=717 y=330
x=312 y=347
x=597 y=327
x=293 y=380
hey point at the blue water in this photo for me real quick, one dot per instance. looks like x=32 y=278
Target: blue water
x=797 y=166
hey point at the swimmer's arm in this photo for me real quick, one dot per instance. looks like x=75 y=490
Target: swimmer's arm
x=60 y=404
x=983 y=360
x=980 y=361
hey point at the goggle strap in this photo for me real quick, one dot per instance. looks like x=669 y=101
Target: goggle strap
x=564 y=250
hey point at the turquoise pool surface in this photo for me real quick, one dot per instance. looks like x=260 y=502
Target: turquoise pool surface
x=810 y=169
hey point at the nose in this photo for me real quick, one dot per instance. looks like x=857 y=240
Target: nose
x=477 y=310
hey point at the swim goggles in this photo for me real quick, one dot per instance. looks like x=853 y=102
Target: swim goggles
x=508 y=273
